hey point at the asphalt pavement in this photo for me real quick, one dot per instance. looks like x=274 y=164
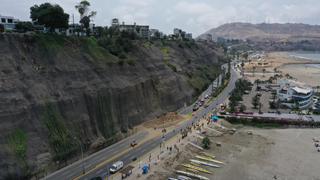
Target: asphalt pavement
x=94 y=164
x=154 y=143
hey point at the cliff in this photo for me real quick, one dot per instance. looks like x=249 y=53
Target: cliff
x=56 y=91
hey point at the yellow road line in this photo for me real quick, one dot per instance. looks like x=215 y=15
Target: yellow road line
x=110 y=160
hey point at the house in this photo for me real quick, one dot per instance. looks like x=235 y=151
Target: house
x=8 y=23
x=293 y=94
x=189 y=36
x=141 y=30
x=155 y=34
x=179 y=34
x=75 y=30
x=115 y=22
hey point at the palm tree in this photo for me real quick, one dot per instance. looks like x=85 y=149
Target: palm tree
x=253 y=70
x=288 y=76
x=275 y=71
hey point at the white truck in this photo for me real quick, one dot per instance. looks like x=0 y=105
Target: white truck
x=116 y=167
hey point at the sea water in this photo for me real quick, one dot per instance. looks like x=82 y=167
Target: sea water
x=308 y=55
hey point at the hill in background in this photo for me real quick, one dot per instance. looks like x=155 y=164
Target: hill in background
x=262 y=32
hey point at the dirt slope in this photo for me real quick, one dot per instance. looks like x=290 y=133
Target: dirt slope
x=53 y=89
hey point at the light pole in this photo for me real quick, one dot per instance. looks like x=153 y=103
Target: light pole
x=83 y=165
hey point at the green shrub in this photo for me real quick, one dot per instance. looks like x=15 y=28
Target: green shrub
x=206 y=143
x=18 y=144
x=60 y=139
x=122 y=56
x=131 y=62
x=121 y=62
x=173 y=67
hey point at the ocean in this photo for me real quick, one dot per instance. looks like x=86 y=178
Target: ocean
x=313 y=56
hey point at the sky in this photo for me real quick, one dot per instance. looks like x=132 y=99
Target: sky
x=195 y=16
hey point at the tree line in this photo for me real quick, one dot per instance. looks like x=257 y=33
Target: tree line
x=53 y=16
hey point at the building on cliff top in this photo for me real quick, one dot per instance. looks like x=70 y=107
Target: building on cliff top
x=140 y=30
x=8 y=23
x=181 y=35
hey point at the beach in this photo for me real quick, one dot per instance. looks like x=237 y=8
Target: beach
x=258 y=155
x=304 y=69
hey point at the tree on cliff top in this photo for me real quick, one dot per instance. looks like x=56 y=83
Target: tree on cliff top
x=49 y=15
x=85 y=15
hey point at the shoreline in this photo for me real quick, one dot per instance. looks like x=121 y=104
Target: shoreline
x=303 y=69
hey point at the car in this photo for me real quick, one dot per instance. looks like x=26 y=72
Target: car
x=206 y=96
x=134 y=158
x=96 y=178
x=116 y=167
x=133 y=143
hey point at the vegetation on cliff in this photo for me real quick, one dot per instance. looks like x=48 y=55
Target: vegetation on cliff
x=61 y=141
x=91 y=91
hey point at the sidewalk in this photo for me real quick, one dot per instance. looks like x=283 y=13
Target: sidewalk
x=157 y=156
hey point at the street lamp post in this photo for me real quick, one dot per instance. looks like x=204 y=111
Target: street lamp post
x=83 y=165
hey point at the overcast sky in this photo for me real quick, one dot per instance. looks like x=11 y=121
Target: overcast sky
x=196 y=16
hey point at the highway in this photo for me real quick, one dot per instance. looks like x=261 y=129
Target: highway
x=76 y=169
x=96 y=161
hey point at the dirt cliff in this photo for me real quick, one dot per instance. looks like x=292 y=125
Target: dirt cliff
x=56 y=91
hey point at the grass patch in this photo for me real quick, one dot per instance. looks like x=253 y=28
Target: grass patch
x=165 y=53
x=92 y=47
x=50 y=44
x=60 y=139
x=202 y=77
x=173 y=67
x=18 y=144
x=147 y=44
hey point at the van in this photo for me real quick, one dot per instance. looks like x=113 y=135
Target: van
x=116 y=167
x=184 y=178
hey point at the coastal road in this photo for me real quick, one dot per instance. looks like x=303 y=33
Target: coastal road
x=90 y=162
x=98 y=163
x=154 y=143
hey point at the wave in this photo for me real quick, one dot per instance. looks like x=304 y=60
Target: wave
x=315 y=57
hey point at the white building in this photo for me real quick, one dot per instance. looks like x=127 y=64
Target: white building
x=141 y=30
x=8 y=22
x=294 y=94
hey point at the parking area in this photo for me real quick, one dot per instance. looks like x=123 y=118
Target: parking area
x=265 y=94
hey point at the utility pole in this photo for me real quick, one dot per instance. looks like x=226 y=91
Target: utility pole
x=73 y=21
x=83 y=165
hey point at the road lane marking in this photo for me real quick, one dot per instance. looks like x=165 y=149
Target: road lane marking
x=109 y=160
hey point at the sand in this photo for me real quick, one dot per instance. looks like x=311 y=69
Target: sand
x=298 y=68
x=273 y=154
x=304 y=73
x=266 y=154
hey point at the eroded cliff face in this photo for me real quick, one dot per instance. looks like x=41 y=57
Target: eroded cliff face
x=51 y=92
